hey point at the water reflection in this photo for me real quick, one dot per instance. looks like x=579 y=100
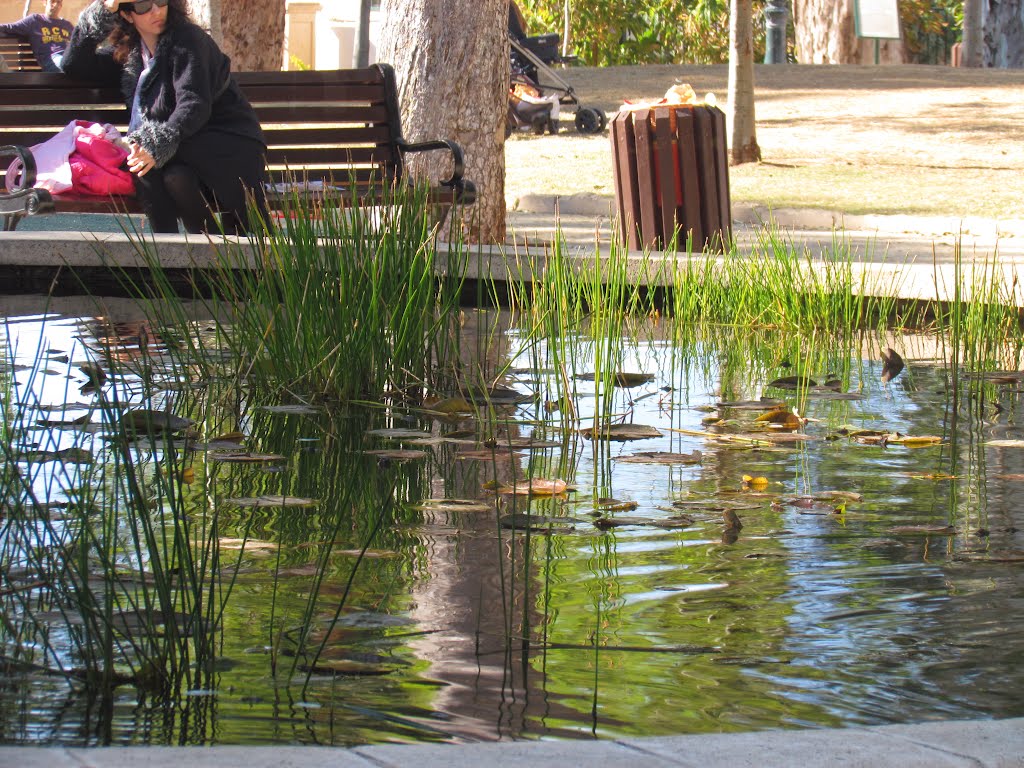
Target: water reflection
x=900 y=606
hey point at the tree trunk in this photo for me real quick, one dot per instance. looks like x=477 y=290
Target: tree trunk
x=251 y=32
x=826 y=33
x=451 y=59
x=972 y=53
x=742 y=134
x=1003 y=34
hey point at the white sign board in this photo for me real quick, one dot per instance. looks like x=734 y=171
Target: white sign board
x=877 y=18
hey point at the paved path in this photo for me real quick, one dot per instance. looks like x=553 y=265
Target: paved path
x=911 y=258
x=969 y=744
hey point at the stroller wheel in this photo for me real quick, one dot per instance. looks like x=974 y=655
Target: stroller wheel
x=588 y=120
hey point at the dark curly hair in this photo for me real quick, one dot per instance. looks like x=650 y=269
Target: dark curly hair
x=125 y=38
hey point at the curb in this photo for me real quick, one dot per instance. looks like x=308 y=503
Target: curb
x=752 y=214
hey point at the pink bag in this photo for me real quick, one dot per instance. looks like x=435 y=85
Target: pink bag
x=83 y=158
x=96 y=166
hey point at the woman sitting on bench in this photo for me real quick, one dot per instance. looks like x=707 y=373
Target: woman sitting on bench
x=196 y=145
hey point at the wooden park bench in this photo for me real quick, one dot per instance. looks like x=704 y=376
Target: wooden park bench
x=17 y=54
x=337 y=130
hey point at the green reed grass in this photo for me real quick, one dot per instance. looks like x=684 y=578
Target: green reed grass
x=336 y=300
x=124 y=586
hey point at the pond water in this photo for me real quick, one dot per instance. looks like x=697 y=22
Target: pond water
x=869 y=582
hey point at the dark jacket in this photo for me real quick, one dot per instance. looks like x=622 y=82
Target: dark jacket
x=189 y=91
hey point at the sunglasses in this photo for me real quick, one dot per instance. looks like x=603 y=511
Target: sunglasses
x=143 y=6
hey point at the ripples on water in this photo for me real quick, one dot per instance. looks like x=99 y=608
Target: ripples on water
x=817 y=619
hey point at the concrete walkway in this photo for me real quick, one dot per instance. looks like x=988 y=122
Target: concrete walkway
x=906 y=257
x=970 y=744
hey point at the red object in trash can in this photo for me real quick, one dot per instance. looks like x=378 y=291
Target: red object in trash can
x=672 y=176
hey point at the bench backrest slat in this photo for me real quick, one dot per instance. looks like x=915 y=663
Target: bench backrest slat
x=318 y=123
x=17 y=54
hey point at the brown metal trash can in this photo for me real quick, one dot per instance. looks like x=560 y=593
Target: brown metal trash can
x=672 y=175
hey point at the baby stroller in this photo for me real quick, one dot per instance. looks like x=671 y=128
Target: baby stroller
x=538 y=93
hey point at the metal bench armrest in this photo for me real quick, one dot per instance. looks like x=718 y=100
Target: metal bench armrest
x=22 y=168
x=465 y=191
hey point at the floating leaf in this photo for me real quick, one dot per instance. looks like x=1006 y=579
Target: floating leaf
x=295 y=409
x=765 y=403
x=371 y=553
x=153 y=422
x=892 y=364
x=525 y=443
x=661 y=457
x=945 y=530
x=246 y=458
x=95 y=376
x=346 y=667
x=837 y=495
x=1005 y=443
x=450 y=406
x=398 y=434
x=230 y=543
x=793 y=382
x=522 y=522
x=614 y=505
x=732 y=520
x=755 y=483
x=272 y=501
x=400 y=455
x=678 y=521
x=486 y=454
x=454 y=505
x=782 y=418
x=79 y=422
x=371 y=620
x=621 y=432
x=534 y=487
x=229 y=437
x=916 y=441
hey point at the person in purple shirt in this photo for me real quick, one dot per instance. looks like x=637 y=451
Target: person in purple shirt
x=46 y=32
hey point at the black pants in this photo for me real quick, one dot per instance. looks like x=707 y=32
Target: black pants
x=211 y=171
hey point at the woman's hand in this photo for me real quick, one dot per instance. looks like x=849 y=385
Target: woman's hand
x=111 y=5
x=140 y=162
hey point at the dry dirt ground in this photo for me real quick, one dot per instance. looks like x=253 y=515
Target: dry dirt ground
x=918 y=140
